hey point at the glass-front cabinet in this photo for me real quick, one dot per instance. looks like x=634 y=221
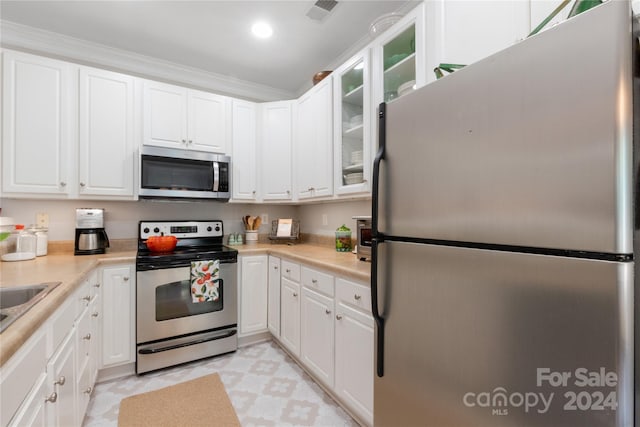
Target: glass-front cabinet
x=352 y=134
x=399 y=58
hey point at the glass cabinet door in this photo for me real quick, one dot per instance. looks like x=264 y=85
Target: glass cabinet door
x=353 y=133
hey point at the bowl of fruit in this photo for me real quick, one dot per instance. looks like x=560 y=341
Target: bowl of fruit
x=162 y=243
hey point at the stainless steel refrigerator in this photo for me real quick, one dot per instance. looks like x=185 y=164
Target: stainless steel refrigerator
x=503 y=222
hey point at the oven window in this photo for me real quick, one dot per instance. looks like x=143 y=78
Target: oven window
x=173 y=301
x=365 y=236
x=176 y=174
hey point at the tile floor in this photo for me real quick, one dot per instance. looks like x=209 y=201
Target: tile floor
x=266 y=388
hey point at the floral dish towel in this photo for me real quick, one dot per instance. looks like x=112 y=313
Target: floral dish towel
x=205 y=276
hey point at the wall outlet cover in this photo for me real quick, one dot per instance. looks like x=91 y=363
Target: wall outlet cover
x=42 y=220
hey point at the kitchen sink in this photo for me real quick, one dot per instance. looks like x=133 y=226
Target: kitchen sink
x=17 y=300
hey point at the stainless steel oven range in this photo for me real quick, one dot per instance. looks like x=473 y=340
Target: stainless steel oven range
x=171 y=328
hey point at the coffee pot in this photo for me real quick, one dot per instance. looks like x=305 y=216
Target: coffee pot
x=91 y=238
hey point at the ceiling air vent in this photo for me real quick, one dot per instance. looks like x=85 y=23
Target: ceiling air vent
x=321 y=9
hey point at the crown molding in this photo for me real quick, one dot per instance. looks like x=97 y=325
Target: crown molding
x=47 y=43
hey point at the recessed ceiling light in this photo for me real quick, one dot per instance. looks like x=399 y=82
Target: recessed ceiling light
x=262 y=30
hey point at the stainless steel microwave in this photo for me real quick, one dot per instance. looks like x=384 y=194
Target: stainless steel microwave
x=363 y=250
x=183 y=174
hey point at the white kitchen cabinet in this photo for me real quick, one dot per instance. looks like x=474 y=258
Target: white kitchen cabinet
x=290 y=315
x=273 y=308
x=244 y=156
x=314 y=142
x=107 y=143
x=275 y=150
x=354 y=342
x=177 y=117
x=33 y=412
x=118 y=321
x=352 y=125
x=463 y=32
x=38 y=116
x=399 y=57
x=62 y=374
x=253 y=294
x=316 y=334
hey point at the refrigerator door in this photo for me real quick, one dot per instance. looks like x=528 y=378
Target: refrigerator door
x=486 y=338
x=529 y=147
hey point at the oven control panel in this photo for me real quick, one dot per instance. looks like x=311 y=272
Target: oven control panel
x=181 y=229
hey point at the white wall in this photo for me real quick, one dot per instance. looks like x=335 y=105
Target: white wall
x=311 y=216
x=121 y=218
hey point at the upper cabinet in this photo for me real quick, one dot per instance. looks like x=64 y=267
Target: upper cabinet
x=314 y=142
x=177 y=117
x=38 y=116
x=276 y=140
x=244 y=157
x=352 y=125
x=463 y=32
x=399 y=58
x=106 y=145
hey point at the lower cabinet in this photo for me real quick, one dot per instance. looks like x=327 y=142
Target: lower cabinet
x=118 y=320
x=326 y=324
x=273 y=306
x=253 y=294
x=62 y=374
x=290 y=315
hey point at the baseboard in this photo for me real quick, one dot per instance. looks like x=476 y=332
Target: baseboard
x=115 y=372
x=254 y=339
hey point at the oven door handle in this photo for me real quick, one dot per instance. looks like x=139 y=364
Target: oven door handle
x=222 y=335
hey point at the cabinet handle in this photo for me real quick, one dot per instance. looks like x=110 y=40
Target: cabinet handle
x=52 y=398
x=326 y=310
x=97 y=285
x=125 y=278
x=87 y=298
x=60 y=381
x=288 y=270
x=82 y=184
x=190 y=141
x=88 y=390
x=338 y=317
x=87 y=337
x=275 y=267
x=295 y=294
x=314 y=281
x=184 y=141
x=357 y=297
x=63 y=184
x=288 y=192
x=94 y=314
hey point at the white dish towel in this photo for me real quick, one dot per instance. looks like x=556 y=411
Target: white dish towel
x=205 y=277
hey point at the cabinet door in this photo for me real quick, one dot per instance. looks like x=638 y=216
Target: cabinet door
x=33 y=412
x=354 y=360
x=315 y=142
x=253 y=294
x=118 y=294
x=244 y=158
x=38 y=122
x=106 y=144
x=165 y=115
x=352 y=126
x=276 y=121
x=61 y=372
x=290 y=315
x=273 y=310
x=208 y=128
x=316 y=334
x=463 y=32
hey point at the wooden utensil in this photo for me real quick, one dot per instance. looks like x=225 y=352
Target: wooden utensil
x=256 y=223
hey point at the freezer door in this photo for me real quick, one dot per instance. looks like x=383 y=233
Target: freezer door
x=487 y=338
x=529 y=147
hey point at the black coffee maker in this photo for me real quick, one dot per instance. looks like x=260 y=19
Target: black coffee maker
x=90 y=235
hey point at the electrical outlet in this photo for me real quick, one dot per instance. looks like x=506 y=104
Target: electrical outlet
x=264 y=218
x=42 y=220
x=325 y=219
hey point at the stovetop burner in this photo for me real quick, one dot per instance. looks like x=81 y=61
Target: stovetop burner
x=197 y=240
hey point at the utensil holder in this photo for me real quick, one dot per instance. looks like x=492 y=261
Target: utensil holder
x=251 y=236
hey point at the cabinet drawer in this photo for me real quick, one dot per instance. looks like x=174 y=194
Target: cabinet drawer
x=62 y=321
x=317 y=281
x=354 y=294
x=291 y=271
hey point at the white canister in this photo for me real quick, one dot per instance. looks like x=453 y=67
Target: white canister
x=26 y=240
x=251 y=236
x=42 y=239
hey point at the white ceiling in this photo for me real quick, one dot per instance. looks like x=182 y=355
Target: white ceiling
x=215 y=35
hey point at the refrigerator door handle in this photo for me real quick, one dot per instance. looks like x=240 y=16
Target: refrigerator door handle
x=374 y=308
x=377 y=238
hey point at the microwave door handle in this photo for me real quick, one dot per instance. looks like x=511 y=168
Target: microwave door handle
x=216 y=176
